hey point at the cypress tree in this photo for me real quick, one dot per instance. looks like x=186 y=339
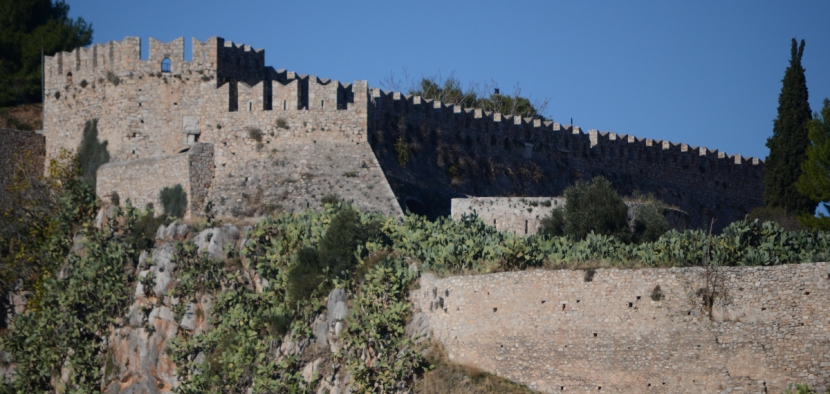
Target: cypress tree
x=789 y=141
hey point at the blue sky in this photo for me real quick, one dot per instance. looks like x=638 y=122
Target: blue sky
x=706 y=73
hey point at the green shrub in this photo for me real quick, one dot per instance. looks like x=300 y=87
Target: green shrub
x=589 y=207
x=305 y=276
x=595 y=207
x=338 y=245
x=402 y=152
x=589 y=275
x=657 y=293
x=255 y=134
x=330 y=198
x=649 y=221
x=553 y=225
x=143 y=234
x=92 y=153
x=115 y=199
x=174 y=201
x=281 y=123
x=796 y=388
x=112 y=78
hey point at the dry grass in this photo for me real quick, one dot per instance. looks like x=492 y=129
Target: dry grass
x=453 y=378
x=27 y=117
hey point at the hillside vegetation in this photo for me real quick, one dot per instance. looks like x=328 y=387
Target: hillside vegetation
x=269 y=293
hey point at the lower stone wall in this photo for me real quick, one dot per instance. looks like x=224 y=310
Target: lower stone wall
x=519 y=215
x=142 y=180
x=14 y=146
x=523 y=215
x=554 y=331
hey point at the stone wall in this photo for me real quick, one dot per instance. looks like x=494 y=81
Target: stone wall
x=523 y=215
x=226 y=91
x=282 y=141
x=201 y=176
x=142 y=180
x=555 y=331
x=519 y=215
x=15 y=145
x=457 y=152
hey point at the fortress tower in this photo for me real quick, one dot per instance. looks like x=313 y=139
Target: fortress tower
x=254 y=140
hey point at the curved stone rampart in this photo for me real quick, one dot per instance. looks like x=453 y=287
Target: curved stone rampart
x=555 y=331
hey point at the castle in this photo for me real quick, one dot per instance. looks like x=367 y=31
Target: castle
x=254 y=140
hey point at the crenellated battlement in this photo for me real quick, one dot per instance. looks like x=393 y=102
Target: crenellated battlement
x=482 y=153
x=543 y=136
x=258 y=117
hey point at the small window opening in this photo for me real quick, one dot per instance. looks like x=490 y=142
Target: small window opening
x=250 y=106
x=165 y=65
x=525 y=226
x=322 y=103
x=806 y=293
x=495 y=310
x=638 y=298
x=630 y=304
x=595 y=335
x=494 y=222
x=563 y=306
x=543 y=301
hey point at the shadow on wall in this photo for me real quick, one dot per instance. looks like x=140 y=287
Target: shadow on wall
x=418 y=208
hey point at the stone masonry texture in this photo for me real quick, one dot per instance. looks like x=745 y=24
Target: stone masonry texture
x=13 y=145
x=283 y=141
x=458 y=152
x=555 y=331
x=523 y=215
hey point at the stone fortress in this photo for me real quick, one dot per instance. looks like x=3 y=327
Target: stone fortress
x=254 y=140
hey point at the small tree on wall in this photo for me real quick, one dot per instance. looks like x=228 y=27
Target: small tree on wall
x=589 y=207
x=174 y=201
